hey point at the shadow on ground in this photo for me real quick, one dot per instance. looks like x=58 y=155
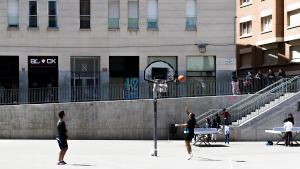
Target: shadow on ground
x=82 y=165
x=212 y=145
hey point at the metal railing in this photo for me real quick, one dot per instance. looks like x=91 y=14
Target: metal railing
x=277 y=91
x=152 y=23
x=85 y=21
x=113 y=23
x=133 y=23
x=52 y=21
x=139 y=90
x=191 y=23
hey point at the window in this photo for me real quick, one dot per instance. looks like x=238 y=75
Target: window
x=113 y=14
x=266 y=23
x=191 y=15
x=245 y=2
x=85 y=14
x=295 y=51
x=201 y=75
x=172 y=60
x=200 y=65
x=294 y=18
x=52 y=14
x=152 y=14
x=133 y=14
x=33 y=14
x=13 y=13
x=245 y=29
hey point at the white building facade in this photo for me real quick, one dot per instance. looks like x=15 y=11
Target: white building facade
x=91 y=43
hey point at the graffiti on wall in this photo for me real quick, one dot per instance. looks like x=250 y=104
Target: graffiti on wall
x=131 y=87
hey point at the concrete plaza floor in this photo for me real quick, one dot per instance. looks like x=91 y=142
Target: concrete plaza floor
x=115 y=154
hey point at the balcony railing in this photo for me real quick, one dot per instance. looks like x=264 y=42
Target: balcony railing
x=133 y=23
x=85 y=22
x=33 y=21
x=191 y=23
x=113 y=23
x=152 y=24
x=52 y=22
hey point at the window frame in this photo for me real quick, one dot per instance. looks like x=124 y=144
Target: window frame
x=152 y=24
x=289 y=13
x=243 y=3
x=37 y=14
x=109 y=19
x=269 y=19
x=191 y=19
x=134 y=27
x=56 y=16
x=8 y=16
x=81 y=27
x=248 y=34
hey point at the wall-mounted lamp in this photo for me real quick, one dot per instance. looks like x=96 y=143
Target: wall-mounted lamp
x=202 y=48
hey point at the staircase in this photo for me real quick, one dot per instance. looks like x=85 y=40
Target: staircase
x=254 y=105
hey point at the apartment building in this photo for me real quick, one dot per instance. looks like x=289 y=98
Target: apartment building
x=263 y=35
x=89 y=43
x=292 y=29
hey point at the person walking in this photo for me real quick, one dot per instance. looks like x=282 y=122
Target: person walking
x=188 y=132
x=61 y=138
x=288 y=132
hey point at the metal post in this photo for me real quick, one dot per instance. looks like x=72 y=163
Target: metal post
x=155 y=119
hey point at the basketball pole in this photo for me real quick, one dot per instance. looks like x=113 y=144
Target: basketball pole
x=155 y=118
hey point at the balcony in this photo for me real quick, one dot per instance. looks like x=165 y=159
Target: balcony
x=33 y=21
x=85 y=22
x=133 y=23
x=152 y=24
x=191 y=23
x=113 y=23
x=52 y=22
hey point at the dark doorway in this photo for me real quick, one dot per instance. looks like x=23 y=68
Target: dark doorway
x=9 y=79
x=124 y=77
x=9 y=72
x=43 y=78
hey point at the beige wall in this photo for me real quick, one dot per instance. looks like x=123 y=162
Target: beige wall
x=261 y=41
x=255 y=9
x=69 y=40
x=290 y=33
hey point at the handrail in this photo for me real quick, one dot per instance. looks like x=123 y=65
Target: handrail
x=272 y=95
x=242 y=104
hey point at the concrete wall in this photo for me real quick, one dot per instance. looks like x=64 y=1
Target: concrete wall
x=103 y=120
x=255 y=129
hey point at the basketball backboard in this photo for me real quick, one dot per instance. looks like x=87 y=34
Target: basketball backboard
x=159 y=71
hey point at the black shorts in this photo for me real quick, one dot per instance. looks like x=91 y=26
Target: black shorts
x=189 y=137
x=62 y=143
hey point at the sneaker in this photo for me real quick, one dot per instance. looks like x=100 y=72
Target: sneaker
x=61 y=163
x=190 y=156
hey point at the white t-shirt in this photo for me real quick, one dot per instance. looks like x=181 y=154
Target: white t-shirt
x=288 y=126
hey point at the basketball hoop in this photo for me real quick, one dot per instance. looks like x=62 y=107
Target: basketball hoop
x=159 y=73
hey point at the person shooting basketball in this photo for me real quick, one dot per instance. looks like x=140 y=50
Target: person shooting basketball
x=188 y=131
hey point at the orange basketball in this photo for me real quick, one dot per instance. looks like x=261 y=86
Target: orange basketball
x=181 y=78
